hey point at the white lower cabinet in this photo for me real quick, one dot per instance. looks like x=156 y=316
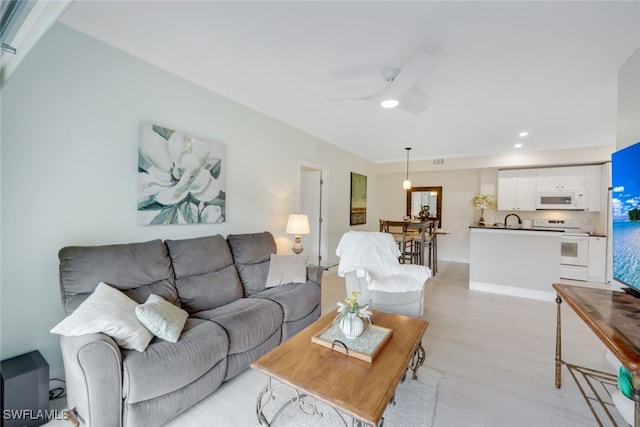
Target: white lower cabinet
x=597 y=258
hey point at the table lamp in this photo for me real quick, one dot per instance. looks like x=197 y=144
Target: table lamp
x=297 y=225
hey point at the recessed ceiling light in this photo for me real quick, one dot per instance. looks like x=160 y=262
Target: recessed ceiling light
x=523 y=134
x=518 y=145
x=389 y=103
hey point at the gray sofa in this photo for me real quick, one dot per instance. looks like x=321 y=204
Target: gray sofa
x=233 y=319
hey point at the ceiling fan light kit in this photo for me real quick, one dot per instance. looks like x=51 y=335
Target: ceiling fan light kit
x=400 y=81
x=389 y=103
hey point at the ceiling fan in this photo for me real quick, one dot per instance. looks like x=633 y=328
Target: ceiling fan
x=400 y=81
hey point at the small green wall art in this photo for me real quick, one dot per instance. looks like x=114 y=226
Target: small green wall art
x=180 y=178
x=358 y=199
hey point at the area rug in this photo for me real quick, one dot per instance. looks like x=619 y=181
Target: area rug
x=415 y=406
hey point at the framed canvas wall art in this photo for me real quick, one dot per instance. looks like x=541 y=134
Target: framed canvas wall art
x=358 y=214
x=180 y=178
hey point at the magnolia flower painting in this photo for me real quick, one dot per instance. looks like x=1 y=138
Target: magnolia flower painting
x=180 y=178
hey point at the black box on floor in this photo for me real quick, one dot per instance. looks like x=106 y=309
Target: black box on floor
x=25 y=390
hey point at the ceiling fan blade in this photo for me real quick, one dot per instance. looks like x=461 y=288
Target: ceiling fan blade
x=407 y=102
x=340 y=99
x=399 y=85
x=411 y=104
x=410 y=74
x=378 y=97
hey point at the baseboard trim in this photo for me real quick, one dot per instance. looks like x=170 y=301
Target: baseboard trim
x=454 y=259
x=512 y=291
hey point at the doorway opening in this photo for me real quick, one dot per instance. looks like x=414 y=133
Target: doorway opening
x=312 y=201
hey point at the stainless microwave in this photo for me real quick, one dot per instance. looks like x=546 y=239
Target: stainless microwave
x=567 y=200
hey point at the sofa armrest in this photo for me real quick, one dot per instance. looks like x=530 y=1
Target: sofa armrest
x=314 y=274
x=93 y=372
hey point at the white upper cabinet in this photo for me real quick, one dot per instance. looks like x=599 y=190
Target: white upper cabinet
x=517 y=190
x=561 y=179
x=593 y=188
x=507 y=188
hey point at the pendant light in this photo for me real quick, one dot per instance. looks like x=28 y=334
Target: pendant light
x=407 y=184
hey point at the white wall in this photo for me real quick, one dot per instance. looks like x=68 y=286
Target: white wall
x=516 y=159
x=458 y=187
x=629 y=102
x=69 y=159
x=463 y=178
x=628 y=131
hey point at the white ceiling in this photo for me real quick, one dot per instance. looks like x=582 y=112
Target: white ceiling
x=549 y=68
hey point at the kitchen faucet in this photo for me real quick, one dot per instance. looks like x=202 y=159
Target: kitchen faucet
x=512 y=214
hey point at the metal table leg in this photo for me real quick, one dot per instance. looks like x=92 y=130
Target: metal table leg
x=417 y=360
x=558 y=344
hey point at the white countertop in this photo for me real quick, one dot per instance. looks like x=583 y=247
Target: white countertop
x=492 y=228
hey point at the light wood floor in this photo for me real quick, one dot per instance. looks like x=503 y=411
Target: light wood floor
x=497 y=354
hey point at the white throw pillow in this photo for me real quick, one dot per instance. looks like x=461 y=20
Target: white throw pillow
x=107 y=311
x=162 y=318
x=287 y=269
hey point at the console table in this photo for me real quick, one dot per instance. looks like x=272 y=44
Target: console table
x=614 y=317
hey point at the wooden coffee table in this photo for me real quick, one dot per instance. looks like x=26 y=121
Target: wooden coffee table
x=352 y=387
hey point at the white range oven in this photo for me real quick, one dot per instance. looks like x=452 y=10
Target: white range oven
x=574 y=247
x=574 y=256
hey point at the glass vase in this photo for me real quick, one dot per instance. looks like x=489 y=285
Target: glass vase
x=481 y=220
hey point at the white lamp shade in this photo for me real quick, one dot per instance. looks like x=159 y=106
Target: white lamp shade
x=406 y=184
x=298 y=224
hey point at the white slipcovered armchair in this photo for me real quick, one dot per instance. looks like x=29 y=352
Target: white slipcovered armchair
x=369 y=263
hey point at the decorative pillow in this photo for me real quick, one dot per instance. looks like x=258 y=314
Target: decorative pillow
x=109 y=311
x=287 y=269
x=162 y=318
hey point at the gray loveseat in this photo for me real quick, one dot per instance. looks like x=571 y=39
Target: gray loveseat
x=233 y=319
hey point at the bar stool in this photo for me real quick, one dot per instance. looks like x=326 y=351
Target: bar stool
x=426 y=244
x=433 y=246
x=417 y=231
x=398 y=229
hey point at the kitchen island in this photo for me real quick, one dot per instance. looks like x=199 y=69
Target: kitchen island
x=517 y=262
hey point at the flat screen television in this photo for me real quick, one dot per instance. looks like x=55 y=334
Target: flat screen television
x=625 y=214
